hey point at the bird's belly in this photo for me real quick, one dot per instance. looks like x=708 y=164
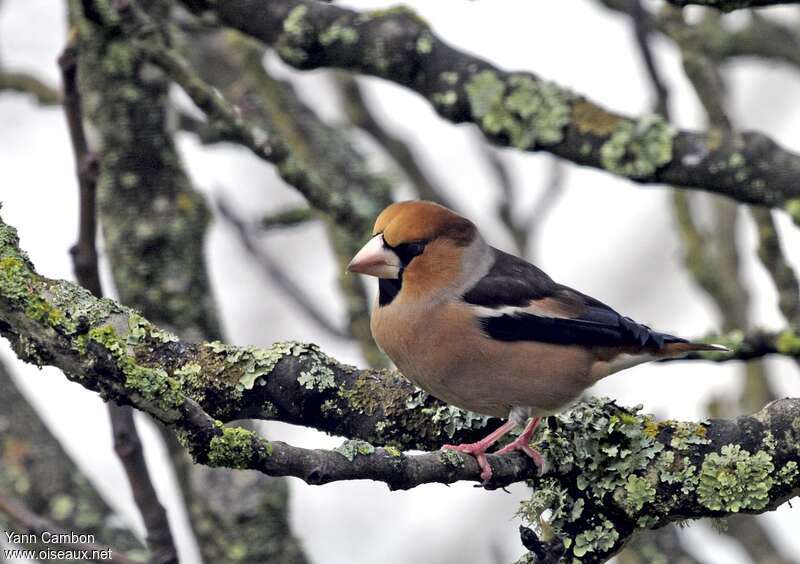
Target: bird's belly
x=453 y=361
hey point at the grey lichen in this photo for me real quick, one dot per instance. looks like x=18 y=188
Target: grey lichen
x=448 y=417
x=256 y=363
x=352 y=448
x=637 y=149
x=528 y=111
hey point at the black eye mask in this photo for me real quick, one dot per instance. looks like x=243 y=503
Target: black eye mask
x=407 y=251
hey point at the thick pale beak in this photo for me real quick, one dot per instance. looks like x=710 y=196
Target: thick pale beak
x=374 y=259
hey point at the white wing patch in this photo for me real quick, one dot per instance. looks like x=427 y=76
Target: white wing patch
x=531 y=309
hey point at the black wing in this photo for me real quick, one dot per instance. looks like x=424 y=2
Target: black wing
x=515 y=283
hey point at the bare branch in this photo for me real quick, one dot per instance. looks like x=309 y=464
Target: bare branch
x=44 y=94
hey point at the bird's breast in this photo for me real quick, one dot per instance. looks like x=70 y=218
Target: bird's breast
x=442 y=349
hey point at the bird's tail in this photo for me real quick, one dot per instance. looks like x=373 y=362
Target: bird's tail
x=684 y=347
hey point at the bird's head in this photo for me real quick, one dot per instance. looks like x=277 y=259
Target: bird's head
x=418 y=244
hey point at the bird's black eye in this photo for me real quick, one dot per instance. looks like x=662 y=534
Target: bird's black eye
x=407 y=251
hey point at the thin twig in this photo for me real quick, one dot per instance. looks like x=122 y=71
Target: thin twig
x=780 y=270
x=360 y=115
x=270 y=266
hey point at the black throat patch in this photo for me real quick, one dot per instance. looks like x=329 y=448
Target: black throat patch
x=388 y=288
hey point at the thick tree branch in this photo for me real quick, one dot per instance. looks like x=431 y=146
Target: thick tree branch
x=127 y=444
x=155 y=225
x=517 y=109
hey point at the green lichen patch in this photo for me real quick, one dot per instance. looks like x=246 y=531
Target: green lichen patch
x=235 y=447
x=425 y=43
x=611 y=454
x=599 y=539
x=637 y=492
x=338 y=32
x=291 y=45
x=19 y=286
x=352 y=448
x=788 y=474
x=734 y=479
x=451 y=458
x=792 y=207
x=318 y=377
x=528 y=111
x=607 y=444
x=676 y=469
x=394 y=452
x=686 y=434
x=637 y=149
x=788 y=343
x=547 y=497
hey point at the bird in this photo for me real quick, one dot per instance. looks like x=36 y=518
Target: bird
x=489 y=332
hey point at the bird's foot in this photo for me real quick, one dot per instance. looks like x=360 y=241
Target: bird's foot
x=478 y=451
x=521 y=444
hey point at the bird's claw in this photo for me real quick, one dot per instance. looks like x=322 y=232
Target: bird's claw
x=521 y=444
x=477 y=451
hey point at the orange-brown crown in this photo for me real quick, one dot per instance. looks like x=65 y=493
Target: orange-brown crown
x=418 y=220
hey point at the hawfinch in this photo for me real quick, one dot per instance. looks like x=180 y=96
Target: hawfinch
x=487 y=331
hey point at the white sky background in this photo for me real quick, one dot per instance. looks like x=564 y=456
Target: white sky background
x=606 y=237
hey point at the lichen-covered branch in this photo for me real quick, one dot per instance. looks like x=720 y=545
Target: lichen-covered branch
x=516 y=109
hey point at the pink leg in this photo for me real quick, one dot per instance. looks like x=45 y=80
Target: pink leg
x=478 y=449
x=523 y=443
